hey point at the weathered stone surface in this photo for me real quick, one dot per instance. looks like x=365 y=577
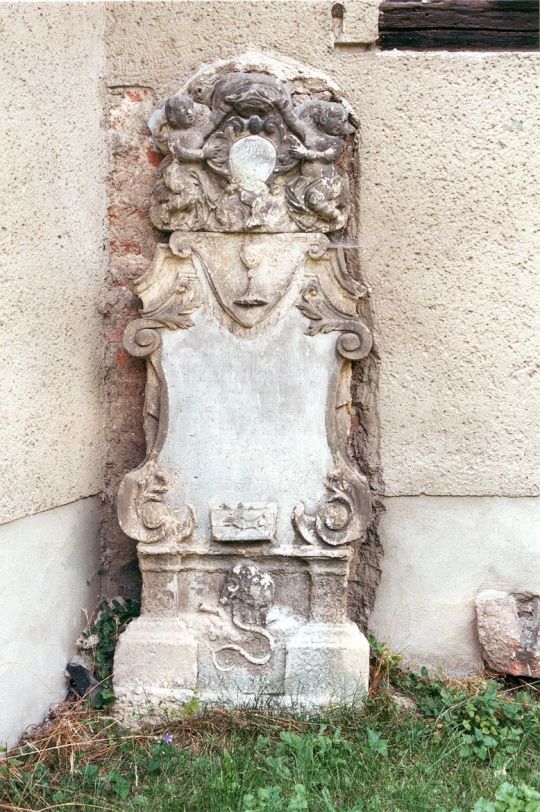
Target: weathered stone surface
x=508 y=631
x=247 y=502
x=255 y=521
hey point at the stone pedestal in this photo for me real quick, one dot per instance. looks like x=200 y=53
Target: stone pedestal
x=247 y=503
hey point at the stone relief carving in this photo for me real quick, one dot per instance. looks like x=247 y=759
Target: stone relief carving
x=340 y=519
x=325 y=317
x=248 y=591
x=337 y=521
x=241 y=156
x=143 y=512
x=247 y=405
x=244 y=522
x=248 y=278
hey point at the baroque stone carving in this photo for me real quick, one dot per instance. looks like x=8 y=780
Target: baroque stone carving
x=355 y=343
x=240 y=155
x=143 y=512
x=251 y=522
x=248 y=277
x=338 y=520
x=250 y=324
x=248 y=592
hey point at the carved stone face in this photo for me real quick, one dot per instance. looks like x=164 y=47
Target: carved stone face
x=249 y=585
x=180 y=111
x=332 y=118
x=250 y=93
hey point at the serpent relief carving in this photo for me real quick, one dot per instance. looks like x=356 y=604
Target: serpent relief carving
x=248 y=591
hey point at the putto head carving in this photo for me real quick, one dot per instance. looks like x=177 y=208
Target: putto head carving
x=246 y=151
x=332 y=118
x=180 y=111
x=250 y=591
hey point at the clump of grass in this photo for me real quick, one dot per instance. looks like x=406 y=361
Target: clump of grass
x=371 y=760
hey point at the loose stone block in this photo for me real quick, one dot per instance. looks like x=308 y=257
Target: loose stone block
x=247 y=503
x=508 y=627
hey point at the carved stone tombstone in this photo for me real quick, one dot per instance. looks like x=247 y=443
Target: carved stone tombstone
x=246 y=505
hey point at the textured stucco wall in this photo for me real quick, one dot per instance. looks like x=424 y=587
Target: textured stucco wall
x=52 y=247
x=447 y=201
x=447 y=207
x=53 y=254
x=49 y=582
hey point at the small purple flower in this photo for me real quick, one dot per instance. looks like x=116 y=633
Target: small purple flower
x=167 y=738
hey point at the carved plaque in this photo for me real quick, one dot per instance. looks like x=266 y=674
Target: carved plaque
x=250 y=325
x=251 y=522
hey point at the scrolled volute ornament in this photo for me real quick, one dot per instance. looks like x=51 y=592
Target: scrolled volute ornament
x=142 y=337
x=336 y=521
x=355 y=341
x=143 y=512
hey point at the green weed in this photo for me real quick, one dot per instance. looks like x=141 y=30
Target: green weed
x=101 y=639
x=488 y=721
x=466 y=747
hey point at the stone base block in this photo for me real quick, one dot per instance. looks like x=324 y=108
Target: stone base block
x=327 y=664
x=155 y=665
x=159 y=666
x=508 y=626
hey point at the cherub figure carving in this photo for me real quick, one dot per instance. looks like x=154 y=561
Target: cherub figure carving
x=321 y=189
x=182 y=126
x=203 y=184
x=180 y=130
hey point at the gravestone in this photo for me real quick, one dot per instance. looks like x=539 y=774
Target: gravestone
x=247 y=504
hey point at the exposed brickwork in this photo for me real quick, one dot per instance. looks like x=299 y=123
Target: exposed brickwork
x=132 y=241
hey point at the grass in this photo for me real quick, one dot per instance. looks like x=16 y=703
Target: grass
x=464 y=746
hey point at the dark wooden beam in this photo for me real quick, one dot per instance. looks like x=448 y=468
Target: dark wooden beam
x=459 y=24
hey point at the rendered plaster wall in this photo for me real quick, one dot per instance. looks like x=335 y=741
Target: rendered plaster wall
x=53 y=203
x=439 y=553
x=447 y=195
x=49 y=564
x=446 y=203
x=53 y=254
